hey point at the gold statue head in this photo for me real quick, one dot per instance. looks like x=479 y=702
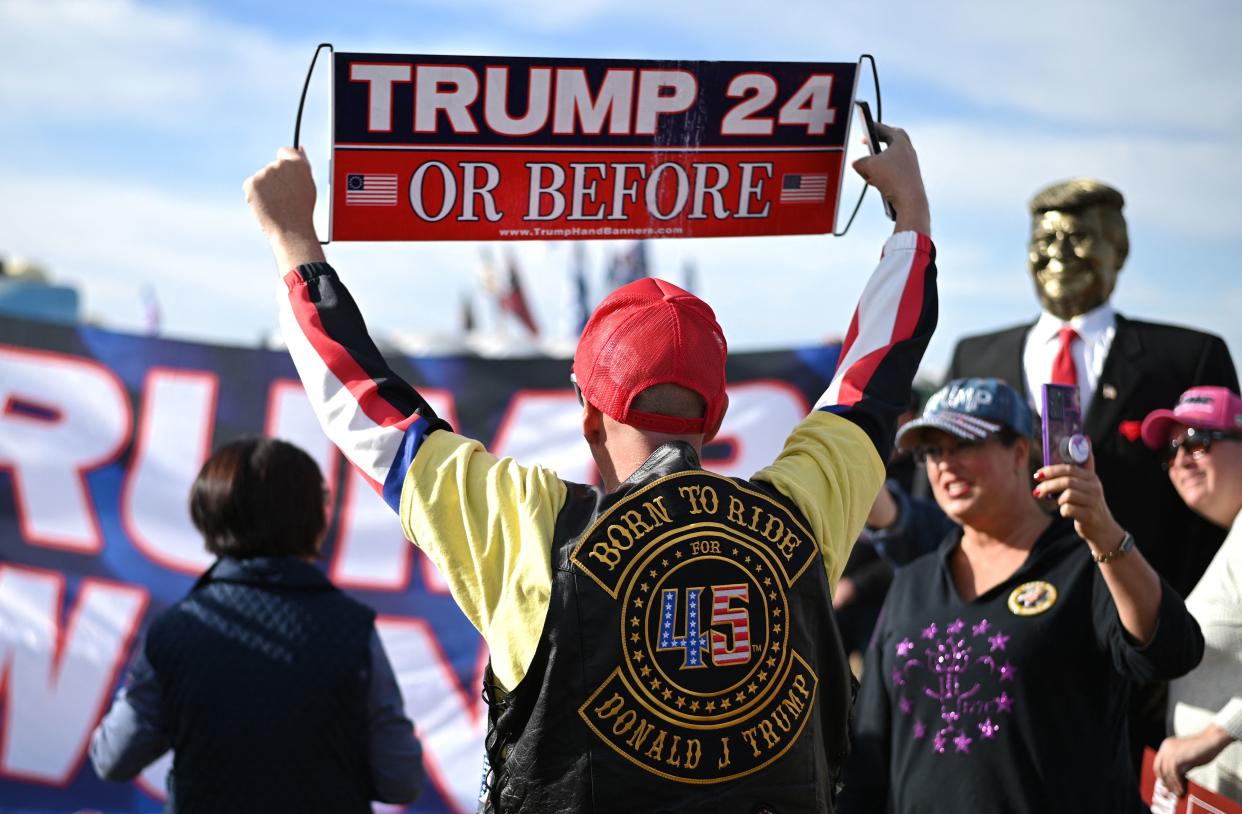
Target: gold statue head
x=1078 y=245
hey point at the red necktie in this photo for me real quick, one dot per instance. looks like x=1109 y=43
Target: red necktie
x=1063 y=370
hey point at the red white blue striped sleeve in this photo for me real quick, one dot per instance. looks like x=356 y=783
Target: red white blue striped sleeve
x=373 y=416
x=884 y=346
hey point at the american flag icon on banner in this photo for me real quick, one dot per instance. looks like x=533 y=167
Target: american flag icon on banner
x=370 y=189
x=812 y=188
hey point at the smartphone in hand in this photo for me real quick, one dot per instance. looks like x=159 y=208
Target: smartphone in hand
x=1064 y=442
x=873 y=144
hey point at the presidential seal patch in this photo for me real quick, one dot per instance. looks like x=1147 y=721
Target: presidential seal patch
x=708 y=688
x=1032 y=598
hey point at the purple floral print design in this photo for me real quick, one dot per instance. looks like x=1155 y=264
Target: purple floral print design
x=961 y=673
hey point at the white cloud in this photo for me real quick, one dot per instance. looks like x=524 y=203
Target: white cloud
x=1133 y=65
x=205 y=261
x=541 y=15
x=1187 y=185
x=80 y=61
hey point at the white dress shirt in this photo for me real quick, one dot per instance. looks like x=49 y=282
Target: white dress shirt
x=1095 y=330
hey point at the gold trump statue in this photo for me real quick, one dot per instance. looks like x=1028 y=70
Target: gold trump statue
x=1078 y=245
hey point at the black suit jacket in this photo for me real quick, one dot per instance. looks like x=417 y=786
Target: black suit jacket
x=1148 y=367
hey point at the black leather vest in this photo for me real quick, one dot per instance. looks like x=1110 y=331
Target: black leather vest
x=689 y=662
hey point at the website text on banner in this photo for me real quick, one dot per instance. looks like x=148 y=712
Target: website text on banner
x=516 y=148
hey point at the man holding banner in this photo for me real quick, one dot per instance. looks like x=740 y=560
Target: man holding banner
x=667 y=641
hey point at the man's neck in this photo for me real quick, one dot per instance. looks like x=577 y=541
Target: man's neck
x=626 y=448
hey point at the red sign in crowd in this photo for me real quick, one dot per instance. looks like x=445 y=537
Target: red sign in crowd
x=1196 y=800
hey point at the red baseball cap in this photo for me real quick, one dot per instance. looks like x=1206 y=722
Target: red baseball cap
x=1204 y=408
x=646 y=333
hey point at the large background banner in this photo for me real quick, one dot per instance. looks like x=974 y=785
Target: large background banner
x=101 y=435
x=515 y=148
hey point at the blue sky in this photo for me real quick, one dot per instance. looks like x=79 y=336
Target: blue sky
x=128 y=128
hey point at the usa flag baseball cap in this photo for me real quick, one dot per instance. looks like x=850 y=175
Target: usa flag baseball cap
x=1204 y=408
x=646 y=333
x=972 y=409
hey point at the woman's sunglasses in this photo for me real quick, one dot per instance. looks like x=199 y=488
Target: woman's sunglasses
x=1197 y=443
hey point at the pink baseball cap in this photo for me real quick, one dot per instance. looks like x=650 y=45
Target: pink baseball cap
x=647 y=333
x=1204 y=408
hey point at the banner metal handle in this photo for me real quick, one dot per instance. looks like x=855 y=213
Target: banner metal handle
x=879 y=117
x=297 y=127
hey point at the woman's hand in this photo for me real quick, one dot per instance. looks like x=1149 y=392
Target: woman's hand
x=1135 y=587
x=1080 y=495
x=1179 y=755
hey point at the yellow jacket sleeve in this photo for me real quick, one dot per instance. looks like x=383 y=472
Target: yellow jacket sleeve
x=830 y=470
x=487 y=524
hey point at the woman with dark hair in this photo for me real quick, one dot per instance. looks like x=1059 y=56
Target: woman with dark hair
x=998 y=675
x=270 y=686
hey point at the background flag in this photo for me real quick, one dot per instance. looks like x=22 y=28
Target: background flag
x=628 y=265
x=579 y=294
x=467 y=314
x=152 y=318
x=690 y=276
x=513 y=300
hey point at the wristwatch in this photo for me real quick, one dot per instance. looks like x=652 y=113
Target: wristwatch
x=1121 y=550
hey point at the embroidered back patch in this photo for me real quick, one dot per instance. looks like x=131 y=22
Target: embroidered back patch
x=708 y=688
x=1032 y=598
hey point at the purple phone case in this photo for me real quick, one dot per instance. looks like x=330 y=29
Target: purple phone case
x=1062 y=419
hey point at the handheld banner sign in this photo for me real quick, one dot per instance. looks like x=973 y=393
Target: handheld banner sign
x=516 y=148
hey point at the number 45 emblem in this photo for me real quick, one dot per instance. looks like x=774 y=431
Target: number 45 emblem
x=695 y=640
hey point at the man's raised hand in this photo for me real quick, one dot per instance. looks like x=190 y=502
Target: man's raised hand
x=895 y=175
x=282 y=198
